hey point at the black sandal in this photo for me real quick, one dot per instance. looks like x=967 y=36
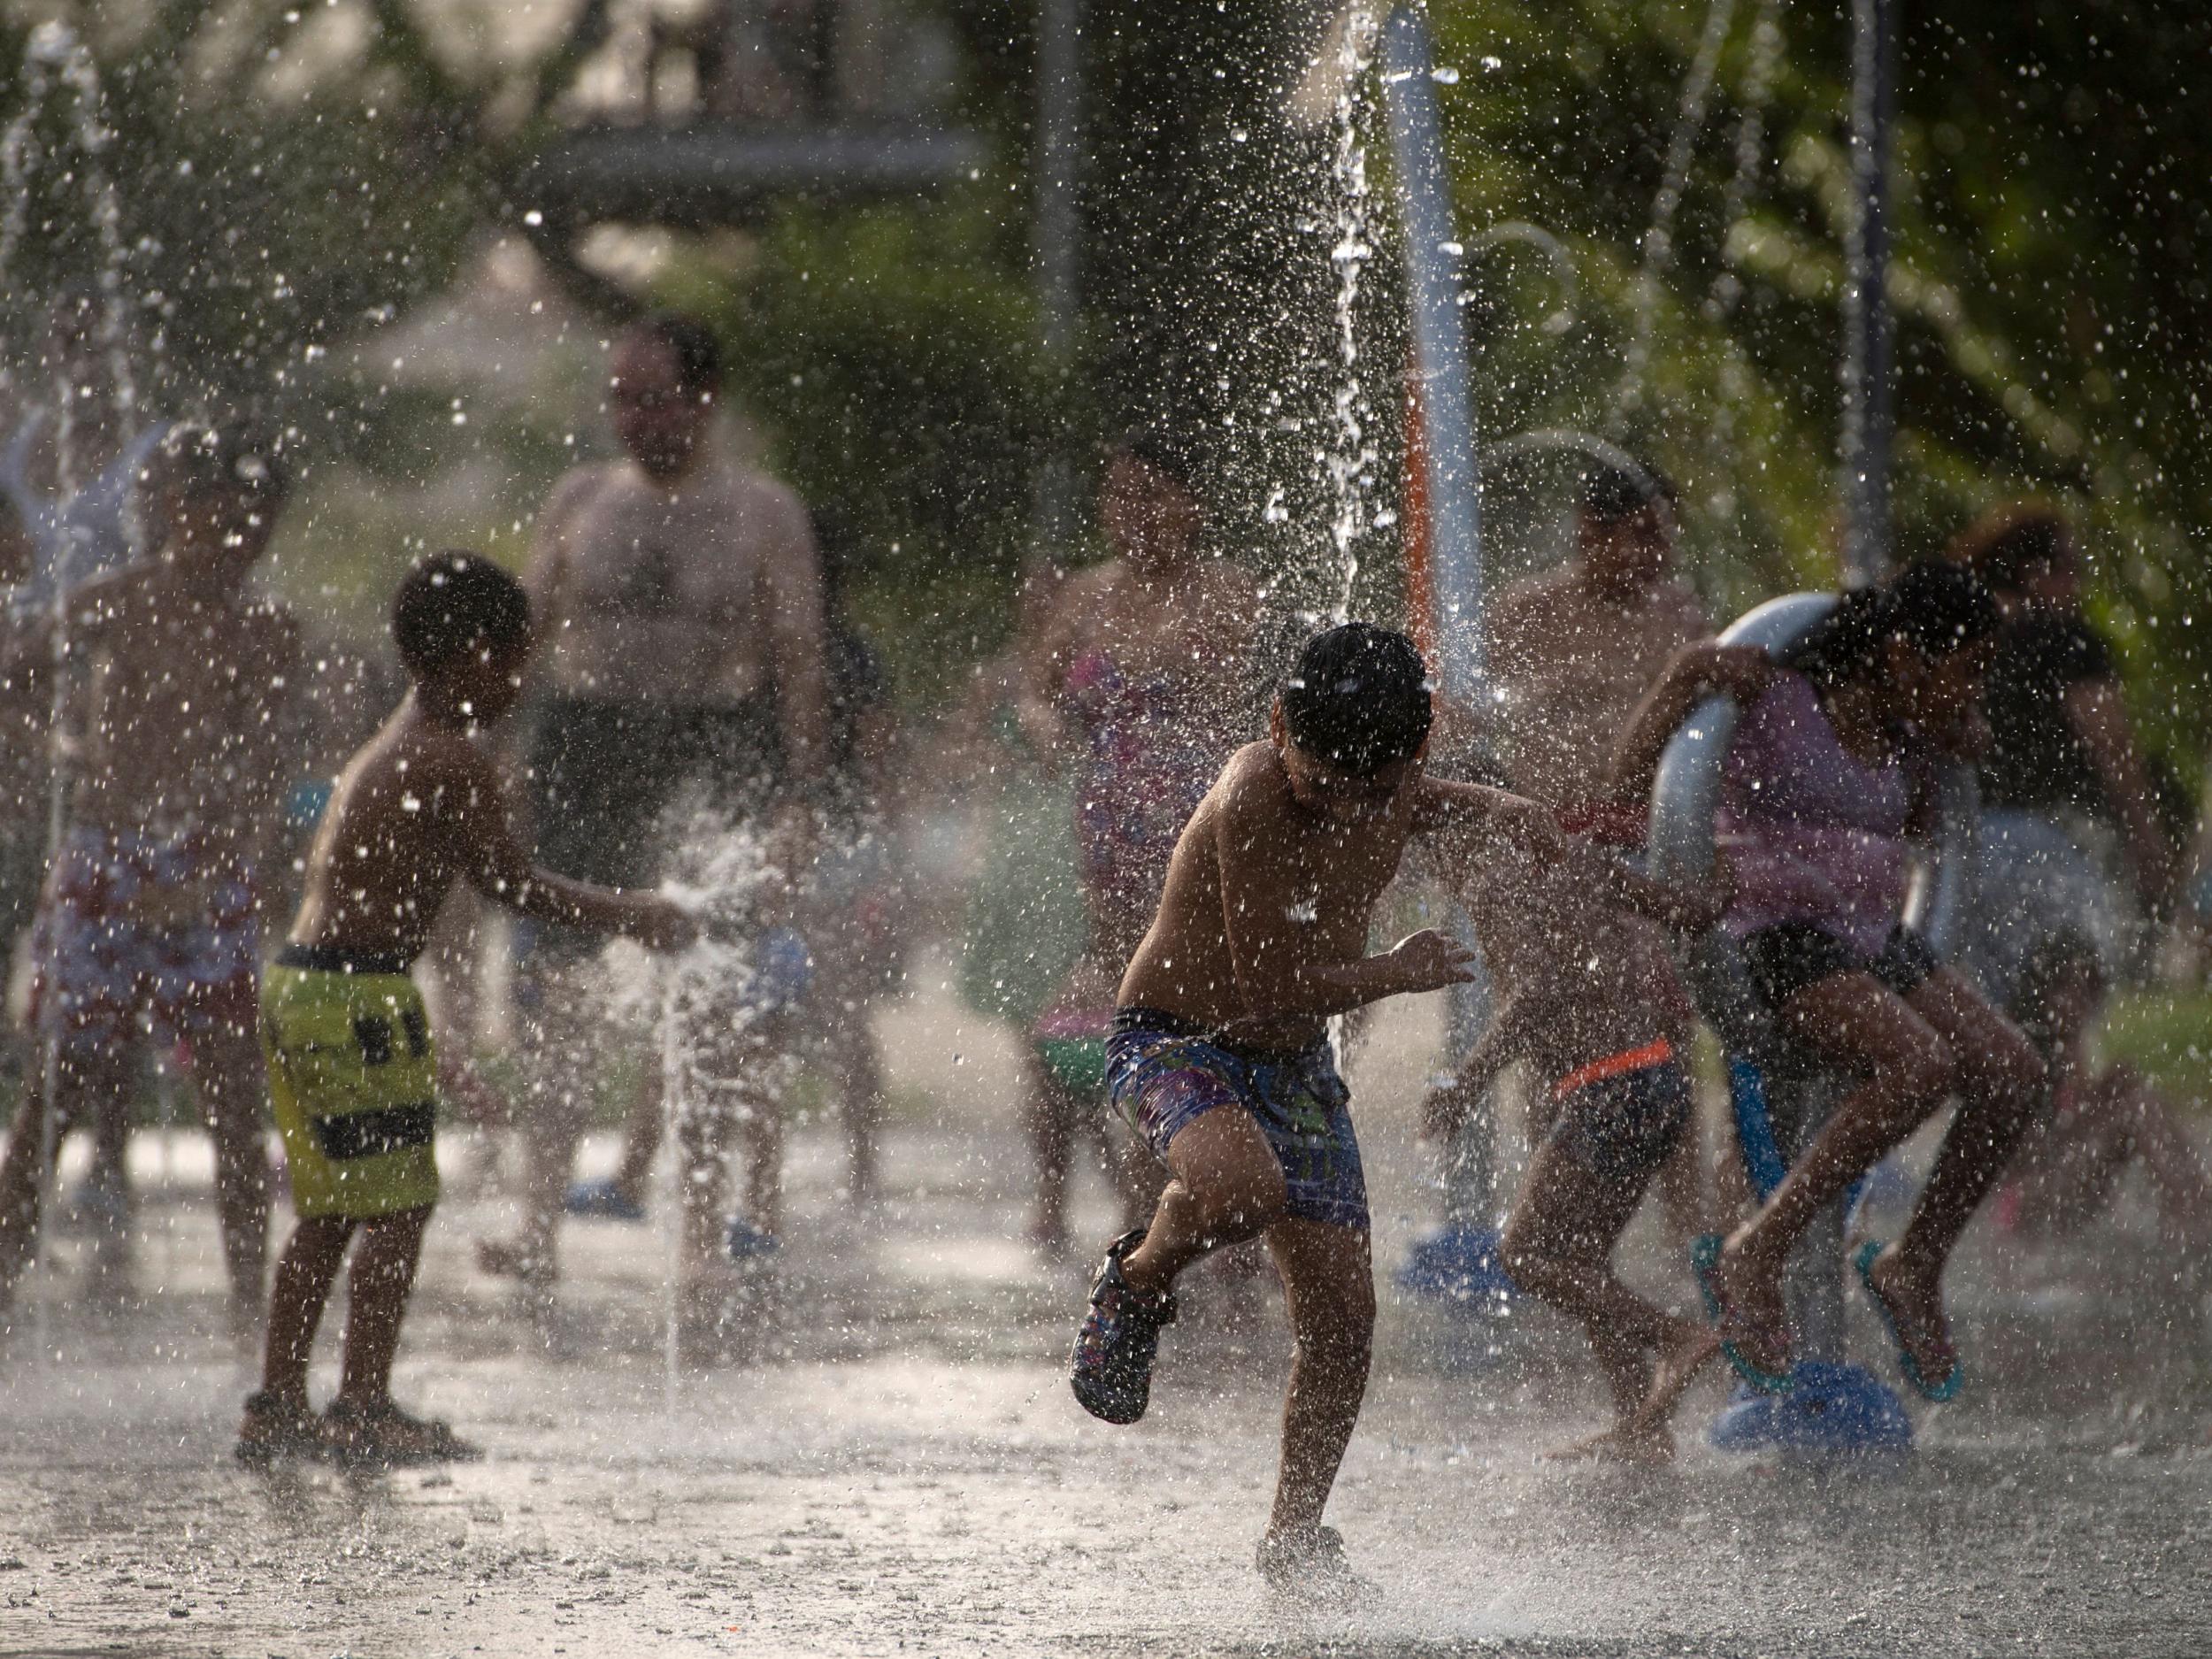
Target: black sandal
x=384 y=1437
x=275 y=1428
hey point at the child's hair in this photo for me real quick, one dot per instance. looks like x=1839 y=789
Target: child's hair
x=1611 y=494
x=1358 y=698
x=452 y=602
x=2004 y=545
x=1935 y=607
x=698 y=354
x=243 y=454
x=2034 y=1004
x=1165 y=453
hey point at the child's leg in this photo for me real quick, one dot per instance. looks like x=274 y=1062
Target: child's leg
x=1051 y=1134
x=703 y=1136
x=1998 y=1074
x=1228 y=1187
x=764 y=1163
x=383 y=1273
x=1907 y=1070
x=24 y=1172
x=1329 y=1282
x=2169 y=1155
x=857 y=1073
x=641 y=1130
x=1557 y=1247
x=304 y=1274
x=226 y=1065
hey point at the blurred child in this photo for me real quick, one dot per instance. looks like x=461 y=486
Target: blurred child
x=352 y=1078
x=1589 y=994
x=2095 y=1121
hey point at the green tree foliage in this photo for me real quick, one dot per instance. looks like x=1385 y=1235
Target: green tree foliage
x=2051 y=226
x=279 y=181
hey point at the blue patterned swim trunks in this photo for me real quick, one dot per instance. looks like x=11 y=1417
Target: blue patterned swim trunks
x=1163 y=1072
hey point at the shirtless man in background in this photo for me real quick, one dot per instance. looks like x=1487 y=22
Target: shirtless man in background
x=173 y=731
x=1572 y=651
x=679 y=604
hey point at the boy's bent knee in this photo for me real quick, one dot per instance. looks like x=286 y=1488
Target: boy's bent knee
x=1241 y=1205
x=1922 y=1072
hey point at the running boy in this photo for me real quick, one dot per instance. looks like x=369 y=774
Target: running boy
x=1220 y=1061
x=1590 y=996
x=351 y=1074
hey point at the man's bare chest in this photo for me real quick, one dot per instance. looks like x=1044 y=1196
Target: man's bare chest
x=645 y=559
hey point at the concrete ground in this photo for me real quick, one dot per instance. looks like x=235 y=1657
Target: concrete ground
x=902 y=1467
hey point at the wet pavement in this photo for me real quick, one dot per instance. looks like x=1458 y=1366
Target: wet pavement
x=901 y=1468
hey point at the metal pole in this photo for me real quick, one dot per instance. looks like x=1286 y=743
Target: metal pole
x=1867 y=366
x=1448 y=489
x=1450 y=458
x=1057 y=250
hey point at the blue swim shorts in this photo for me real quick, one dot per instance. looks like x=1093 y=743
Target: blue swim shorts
x=1620 y=1116
x=1163 y=1072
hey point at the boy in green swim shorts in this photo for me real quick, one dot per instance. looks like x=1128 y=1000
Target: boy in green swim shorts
x=352 y=1072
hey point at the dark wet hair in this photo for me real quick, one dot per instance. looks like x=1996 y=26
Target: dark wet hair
x=1935 y=607
x=1165 y=453
x=2003 y=546
x=1358 y=698
x=452 y=602
x=698 y=354
x=1610 y=494
x=193 y=457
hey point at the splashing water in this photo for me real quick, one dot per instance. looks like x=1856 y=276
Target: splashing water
x=1350 y=459
x=710 y=1005
x=55 y=62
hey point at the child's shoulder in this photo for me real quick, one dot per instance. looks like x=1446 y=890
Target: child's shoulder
x=1255 y=771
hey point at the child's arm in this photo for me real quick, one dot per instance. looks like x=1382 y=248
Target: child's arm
x=1687 y=907
x=1445 y=1107
x=502 y=871
x=1273 y=930
x=1695 y=673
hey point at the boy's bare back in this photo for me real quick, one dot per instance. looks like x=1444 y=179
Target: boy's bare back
x=1563 y=940
x=179 y=719
x=420 y=805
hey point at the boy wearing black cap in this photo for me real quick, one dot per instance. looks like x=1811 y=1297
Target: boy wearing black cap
x=1221 y=1062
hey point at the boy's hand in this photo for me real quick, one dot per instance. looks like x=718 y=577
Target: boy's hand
x=664 y=925
x=1429 y=961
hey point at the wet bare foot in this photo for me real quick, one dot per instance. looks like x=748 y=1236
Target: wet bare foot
x=1627 y=1442
x=1752 y=1315
x=1679 y=1359
x=1914 y=1300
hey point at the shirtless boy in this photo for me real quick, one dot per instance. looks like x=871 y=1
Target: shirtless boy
x=678 y=598
x=1590 y=996
x=352 y=1078
x=1220 y=1060
x=172 y=732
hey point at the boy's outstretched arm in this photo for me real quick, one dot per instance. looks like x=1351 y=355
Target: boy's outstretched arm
x=1274 y=932
x=500 y=869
